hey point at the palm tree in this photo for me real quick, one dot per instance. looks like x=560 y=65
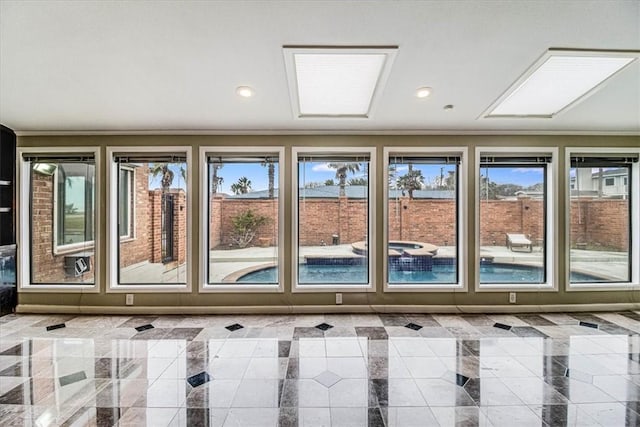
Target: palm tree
x=216 y=181
x=410 y=182
x=166 y=173
x=271 y=172
x=243 y=186
x=393 y=174
x=342 y=169
x=358 y=181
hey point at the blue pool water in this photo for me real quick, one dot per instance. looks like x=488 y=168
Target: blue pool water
x=491 y=273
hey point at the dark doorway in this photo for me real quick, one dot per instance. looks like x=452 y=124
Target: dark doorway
x=167 y=228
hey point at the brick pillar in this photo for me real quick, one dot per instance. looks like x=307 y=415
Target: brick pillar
x=215 y=221
x=180 y=226
x=155 y=225
x=343 y=219
x=404 y=218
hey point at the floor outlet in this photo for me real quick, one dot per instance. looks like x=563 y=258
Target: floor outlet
x=512 y=297
x=129 y=299
x=338 y=298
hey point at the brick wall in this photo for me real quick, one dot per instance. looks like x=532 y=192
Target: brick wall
x=498 y=217
x=133 y=251
x=224 y=210
x=430 y=221
x=600 y=224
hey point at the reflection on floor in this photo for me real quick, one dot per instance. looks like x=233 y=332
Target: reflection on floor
x=313 y=370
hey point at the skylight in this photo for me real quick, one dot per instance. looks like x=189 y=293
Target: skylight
x=558 y=80
x=336 y=82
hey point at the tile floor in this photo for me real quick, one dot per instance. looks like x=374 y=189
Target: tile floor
x=321 y=370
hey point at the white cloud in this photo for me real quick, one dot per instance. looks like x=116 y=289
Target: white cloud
x=402 y=168
x=322 y=167
x=527 y=170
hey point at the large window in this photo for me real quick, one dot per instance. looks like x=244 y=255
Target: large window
x=59 y=217
x=423 y=219
x=601 y=218
x=150 y=242
x=515 y=208
x=333 y=218
x=243 y=210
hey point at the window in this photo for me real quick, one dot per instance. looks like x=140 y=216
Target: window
x=423 y=218
x=609 y=182
x=58 y=194
x=602 y=233
x=73 y=200
x=156 y=257
x=243 y=243
x=333 y=218
x=516 y=216
x=125 y=202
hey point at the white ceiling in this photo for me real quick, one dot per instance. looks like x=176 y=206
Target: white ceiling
x=174 y=66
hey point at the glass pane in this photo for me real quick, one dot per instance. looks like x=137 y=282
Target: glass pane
x=157 y=253
x=243 y=222
x=125 y=202
x=333 y=221
x=422 y=218
x=62 y=222
x=512 y=224
x=600 y=224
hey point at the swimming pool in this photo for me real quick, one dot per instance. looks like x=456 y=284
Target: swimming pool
x=440 y=273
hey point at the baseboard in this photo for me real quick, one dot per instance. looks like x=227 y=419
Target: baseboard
x=316 y=309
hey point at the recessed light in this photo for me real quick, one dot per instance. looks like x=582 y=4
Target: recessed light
x=244 y=91
x=423 y=92
x=558 y=80
x=336 y=81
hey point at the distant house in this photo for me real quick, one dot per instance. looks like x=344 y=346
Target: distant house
x=611 y=183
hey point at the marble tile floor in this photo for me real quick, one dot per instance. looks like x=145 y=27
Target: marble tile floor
x=556 y=369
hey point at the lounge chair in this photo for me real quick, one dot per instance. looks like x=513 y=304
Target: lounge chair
x=518 y=241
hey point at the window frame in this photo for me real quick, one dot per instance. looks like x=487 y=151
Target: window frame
x=205 y=286
x=551 y=219
x=461 y=218
x=370 y=286
x=69 y=247
x=131 y=202
x=23 y=192
x=113 y=239
x=634 y=222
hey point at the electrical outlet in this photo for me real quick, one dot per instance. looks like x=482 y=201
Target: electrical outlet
x=512 y=297
x=338 y=298
x=129 y=299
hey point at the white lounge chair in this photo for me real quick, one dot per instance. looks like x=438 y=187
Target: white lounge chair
x=518 y=241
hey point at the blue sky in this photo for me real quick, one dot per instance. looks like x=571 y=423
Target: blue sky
x=515 y=175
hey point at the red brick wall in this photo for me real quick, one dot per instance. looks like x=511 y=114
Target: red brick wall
x=430 y=221
x=215 y=221
x=46 y=266
x=498 y=217
x=133 y=251
x=224 y=210
x=600 y=224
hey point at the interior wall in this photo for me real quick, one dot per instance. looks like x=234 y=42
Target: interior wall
x=379 y=298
